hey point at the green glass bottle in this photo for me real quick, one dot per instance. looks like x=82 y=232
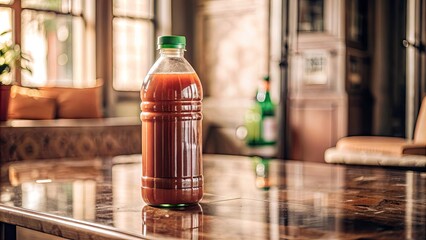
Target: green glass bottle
x=268 y=126
x=260 y=118
x=253 y=118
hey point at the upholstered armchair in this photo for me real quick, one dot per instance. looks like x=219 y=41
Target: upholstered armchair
x=390 y=151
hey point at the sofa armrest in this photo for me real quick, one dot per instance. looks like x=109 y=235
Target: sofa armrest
x=334 y=155
x=414 y=149
x=383 y=145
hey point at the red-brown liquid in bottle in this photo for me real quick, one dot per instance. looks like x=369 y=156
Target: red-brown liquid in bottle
x=171 y=139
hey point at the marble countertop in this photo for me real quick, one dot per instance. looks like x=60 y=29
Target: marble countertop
x=245 y=198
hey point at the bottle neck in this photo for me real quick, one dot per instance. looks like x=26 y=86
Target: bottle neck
x=172 y=52
x=263 y=92
x=265 y=86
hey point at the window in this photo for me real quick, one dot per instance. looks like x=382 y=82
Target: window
x=59 y=37
x=6 y=23
x=5 y=26
x=133 y=41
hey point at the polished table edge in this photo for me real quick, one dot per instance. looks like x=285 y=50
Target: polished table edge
x=60 y=226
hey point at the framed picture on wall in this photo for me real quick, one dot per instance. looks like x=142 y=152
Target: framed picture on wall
x=315 y=68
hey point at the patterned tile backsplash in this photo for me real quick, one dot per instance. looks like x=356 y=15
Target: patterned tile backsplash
x=27 y=140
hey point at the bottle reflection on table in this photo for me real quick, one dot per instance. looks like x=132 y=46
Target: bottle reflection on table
x=261 y=169
x=184 y=222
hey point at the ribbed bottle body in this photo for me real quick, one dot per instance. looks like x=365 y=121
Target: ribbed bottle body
x=171 y=138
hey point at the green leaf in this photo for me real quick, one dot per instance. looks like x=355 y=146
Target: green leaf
x=5 y=32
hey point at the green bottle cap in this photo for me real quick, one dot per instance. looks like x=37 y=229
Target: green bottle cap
x=171 y=42
x=266 y=78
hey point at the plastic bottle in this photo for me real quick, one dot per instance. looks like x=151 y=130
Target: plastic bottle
x=171 y=117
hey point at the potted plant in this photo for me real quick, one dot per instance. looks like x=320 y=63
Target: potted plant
x=10 y=56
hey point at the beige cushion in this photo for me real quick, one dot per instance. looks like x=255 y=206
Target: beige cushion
x=334 y=155
x=76 y=102
x=27 y=103
x=385 y=145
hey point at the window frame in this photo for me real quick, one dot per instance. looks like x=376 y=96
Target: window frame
x=113 y=99
x=103 y=52
x=153 y=19
x=16 y=30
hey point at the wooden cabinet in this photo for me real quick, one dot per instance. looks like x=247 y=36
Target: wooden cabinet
x=317 y=103
x=316 y=124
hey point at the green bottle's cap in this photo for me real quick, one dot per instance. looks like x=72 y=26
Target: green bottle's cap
x=171 y=42
x=266 y=78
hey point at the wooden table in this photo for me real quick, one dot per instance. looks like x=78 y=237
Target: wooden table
x=245 y=198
